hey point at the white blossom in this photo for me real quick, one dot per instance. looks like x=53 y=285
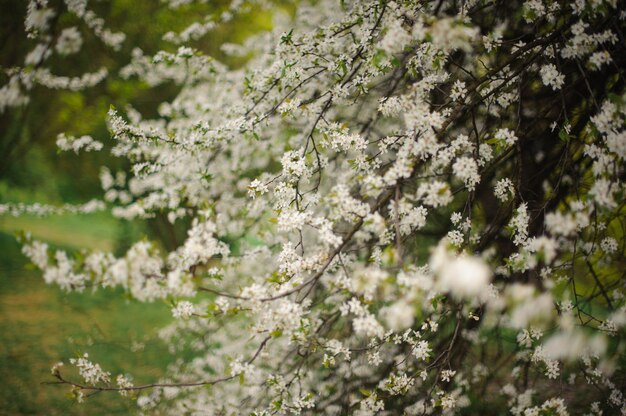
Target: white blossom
x=69 y=41
x=183 y=310
x=466 y=169
x=85 y=143
x=92 y=373
x=551 y=77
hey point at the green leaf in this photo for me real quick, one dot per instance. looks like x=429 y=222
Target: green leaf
x=343 y=67
x=286 y=39
x=365 y=392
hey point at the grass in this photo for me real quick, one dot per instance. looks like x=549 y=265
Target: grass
x=40 y=324
x=65 y=230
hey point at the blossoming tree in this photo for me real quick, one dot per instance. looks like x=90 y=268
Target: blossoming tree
x=410 y=207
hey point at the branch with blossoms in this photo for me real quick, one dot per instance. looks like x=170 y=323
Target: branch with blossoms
x=392 y=207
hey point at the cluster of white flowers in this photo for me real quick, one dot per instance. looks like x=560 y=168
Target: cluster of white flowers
x=124 y=384
x=85 y=143
x=371 y=202
x=90 y=372
x=551 y=77
x=459 y=90
x=435 y=193
x=507 y=136
x=44 y=77
x=183 y=310
x=17 y=209
x=465 y=276
x=504 y=189
x=609 y=245
x=466 y=169
x=520 y=223
x=69 y=41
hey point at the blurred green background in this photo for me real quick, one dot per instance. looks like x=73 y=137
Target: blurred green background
x=40 y=324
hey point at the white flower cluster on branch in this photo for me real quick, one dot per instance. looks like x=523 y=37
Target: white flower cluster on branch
x=392 y=208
